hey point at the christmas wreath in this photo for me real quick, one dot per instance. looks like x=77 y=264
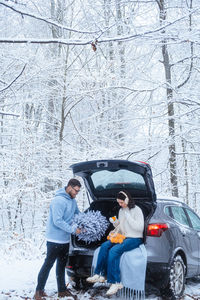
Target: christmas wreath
x=93 y=226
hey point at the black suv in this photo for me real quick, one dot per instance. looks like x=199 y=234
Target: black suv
x=170 y=225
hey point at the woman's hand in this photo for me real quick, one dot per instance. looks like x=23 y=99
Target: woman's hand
x=112 y=234
x=114 y=221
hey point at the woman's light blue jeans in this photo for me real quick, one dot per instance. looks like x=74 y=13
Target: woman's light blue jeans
x=109 y=258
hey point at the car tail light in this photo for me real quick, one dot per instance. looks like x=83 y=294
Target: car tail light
x=156 y=229
x=69 y=267
x=143 y=162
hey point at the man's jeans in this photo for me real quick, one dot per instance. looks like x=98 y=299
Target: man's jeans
x=55 y=252
x=109 y=258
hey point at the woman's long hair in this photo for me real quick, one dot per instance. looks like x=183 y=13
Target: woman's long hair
x=131 y=201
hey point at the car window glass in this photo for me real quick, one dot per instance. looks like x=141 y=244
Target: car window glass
x=179 y=215
x=105 y=179
x=167 y=211
x=195 y=220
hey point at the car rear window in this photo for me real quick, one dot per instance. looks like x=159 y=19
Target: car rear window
x=108 y=180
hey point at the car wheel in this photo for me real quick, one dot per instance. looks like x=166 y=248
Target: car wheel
x=176 y=284
x=75 y=282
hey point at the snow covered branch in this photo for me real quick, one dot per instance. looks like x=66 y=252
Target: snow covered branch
x=24 y=13
x=148 y=34
x=9 y=85
x=45 y=41
x=3 y=113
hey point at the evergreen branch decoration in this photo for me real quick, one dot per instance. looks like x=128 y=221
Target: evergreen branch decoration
x=92 y=224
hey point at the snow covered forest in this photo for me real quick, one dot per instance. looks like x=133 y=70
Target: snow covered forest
x=83 y=80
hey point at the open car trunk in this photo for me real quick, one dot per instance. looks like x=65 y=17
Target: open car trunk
x=108 y=209
x=104 y=179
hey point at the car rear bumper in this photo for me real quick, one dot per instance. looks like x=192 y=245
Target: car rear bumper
x=157 y=274
x=79 y=266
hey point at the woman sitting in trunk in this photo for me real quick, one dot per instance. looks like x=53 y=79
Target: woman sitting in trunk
x=130 y=224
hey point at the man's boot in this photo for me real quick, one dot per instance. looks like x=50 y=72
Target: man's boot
x=67 y=293
x=40 y=295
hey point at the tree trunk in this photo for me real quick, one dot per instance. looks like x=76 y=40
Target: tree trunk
x=170 y=105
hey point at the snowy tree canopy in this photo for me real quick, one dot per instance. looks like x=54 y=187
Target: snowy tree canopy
x=83 y=80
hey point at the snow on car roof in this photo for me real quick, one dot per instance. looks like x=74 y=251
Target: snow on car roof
x=169 y=198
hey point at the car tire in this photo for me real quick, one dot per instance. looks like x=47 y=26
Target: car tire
x=76 y=283
x=176 y=283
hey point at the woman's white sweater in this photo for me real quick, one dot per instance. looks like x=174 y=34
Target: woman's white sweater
x=130 y=222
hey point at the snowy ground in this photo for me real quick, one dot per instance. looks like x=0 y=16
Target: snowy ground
x=18 y=281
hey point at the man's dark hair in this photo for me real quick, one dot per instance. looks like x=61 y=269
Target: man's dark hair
x=74 y=182
x=131 y=202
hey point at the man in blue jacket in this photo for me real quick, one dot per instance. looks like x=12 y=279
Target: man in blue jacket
x=59 y=228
